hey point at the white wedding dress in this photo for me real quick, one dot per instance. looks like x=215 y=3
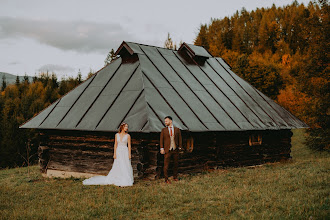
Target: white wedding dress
x=121 y=173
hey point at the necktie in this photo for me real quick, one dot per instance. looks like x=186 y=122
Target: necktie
x=171 y=131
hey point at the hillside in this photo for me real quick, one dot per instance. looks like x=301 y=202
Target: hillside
x=298 y=189
x=283 y=52
x=10 y=78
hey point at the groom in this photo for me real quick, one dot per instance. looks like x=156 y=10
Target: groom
x=170 y=144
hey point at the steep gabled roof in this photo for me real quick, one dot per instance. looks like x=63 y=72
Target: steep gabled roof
x=147 y=83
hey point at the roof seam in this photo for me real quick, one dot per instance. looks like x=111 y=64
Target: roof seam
x=172 y=87
x=94 y=75
x=149 y=45
x=209 y=92
x=98 y=95
x=58 y=100
x=250 y=95
x=165 y=99
x=41 y=112
x=156 y=114
x=191 y=90
x=117 y=96
x=227 y=96
x=190 y=48
x=49 y=112
x=258 y=92
x=290 y=114
x=145 y=100
x=131 y=107
x=242 y=98
x=238 y=96
x=205 y=90
x=76 y=100
x=144 y=125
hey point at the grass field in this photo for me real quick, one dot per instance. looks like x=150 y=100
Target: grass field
x=298 y=189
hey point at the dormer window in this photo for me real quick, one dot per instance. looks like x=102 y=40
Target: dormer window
x=128 y=52
x=255 y=139
x=197 y=53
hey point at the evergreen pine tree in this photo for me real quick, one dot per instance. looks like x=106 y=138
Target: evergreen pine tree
x=4 y=83
x=110 y=57
x=26 y=79
x=17 y=82
x=79 y=77
x=169 y=43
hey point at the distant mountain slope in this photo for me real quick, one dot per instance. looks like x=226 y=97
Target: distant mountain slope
x=11 y=78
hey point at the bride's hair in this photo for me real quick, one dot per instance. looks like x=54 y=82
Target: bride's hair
x=121 y=127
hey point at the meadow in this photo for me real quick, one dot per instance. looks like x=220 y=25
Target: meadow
x=296 y=189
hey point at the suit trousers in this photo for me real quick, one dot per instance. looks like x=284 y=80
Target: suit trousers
x=167 y=158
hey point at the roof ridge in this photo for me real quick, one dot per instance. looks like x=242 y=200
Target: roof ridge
x=143 y=93
x=182 y=95
x=150 y=45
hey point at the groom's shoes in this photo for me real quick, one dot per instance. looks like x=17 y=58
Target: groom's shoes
x=168 y=181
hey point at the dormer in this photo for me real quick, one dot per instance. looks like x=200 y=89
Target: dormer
x=198 y=53
x=128 y=52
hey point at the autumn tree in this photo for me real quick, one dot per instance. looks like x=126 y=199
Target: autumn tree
x=18 y=103
x=4 y=83
x=283 y=52
x=110 y=57
x=169 y=43
x=201 y=39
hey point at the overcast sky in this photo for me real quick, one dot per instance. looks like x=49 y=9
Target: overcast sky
x=64 y=36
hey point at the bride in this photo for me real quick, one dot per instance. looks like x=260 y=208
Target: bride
x=121 y=173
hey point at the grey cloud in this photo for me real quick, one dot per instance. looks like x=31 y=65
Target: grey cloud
x=14 y=63
x=80 y=36
x=56 y=68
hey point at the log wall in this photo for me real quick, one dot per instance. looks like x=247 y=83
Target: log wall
x=92 y=152
x=234 y=148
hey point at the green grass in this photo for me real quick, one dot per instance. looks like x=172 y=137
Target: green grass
x=298 y=189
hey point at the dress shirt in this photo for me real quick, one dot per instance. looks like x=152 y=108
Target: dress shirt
x=169 y=131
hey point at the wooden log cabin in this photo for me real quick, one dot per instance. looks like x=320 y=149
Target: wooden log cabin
x=224 y=120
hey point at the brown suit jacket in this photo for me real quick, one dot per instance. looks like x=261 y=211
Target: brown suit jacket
x=165 y=139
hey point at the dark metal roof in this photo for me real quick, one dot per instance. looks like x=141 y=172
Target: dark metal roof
x=161 y=82
x=196 y=50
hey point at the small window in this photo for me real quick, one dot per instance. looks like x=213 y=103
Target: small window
x=188 y=142
x=255 y=139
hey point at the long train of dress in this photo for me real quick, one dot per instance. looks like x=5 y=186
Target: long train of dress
x=121 y=173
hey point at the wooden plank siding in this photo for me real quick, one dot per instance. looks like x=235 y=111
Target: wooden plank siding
x=91 y=153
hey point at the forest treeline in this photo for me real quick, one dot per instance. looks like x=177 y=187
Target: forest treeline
x=283 y=52
x=21 y=101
